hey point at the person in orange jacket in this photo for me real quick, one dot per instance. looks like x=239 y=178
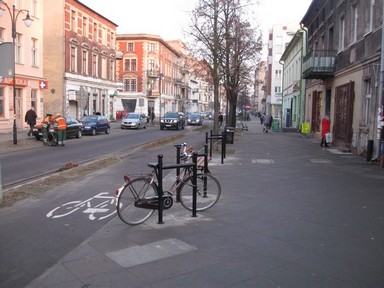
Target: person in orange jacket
x=48 y=120
x=61 y=129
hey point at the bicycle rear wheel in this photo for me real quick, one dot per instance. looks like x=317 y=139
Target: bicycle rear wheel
x=208 y=192
x=139 y=188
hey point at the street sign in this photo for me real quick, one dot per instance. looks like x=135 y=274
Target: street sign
x=7 y=60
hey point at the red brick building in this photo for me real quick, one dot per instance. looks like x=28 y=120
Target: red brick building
x=79 y=59
x=150 y=75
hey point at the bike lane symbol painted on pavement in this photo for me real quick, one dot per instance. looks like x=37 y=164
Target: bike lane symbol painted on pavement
x=91 y=206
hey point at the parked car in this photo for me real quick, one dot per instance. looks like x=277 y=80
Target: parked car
x=195 y=119
x=96 y=124
x=74 y=129
x=134 y=120
x=208 y=115
x=172 y=120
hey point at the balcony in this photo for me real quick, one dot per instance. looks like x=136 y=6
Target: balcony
x=319 y=64
x=179 y=81
x=152 y=73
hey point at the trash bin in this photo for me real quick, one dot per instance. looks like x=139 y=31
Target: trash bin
x=230 y=134
x=275 y=126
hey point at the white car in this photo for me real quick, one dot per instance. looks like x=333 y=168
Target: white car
x=134 y=120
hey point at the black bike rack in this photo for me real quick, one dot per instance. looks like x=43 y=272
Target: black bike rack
x=221 y=137
x=178 y=160
x=159 y=174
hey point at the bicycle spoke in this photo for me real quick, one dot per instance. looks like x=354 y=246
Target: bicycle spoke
x=135 y=190
x=208 y=192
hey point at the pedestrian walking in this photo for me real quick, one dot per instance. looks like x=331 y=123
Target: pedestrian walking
x=30 y=119
x=61 y=129
x=267 y=123
x=325 y=128
x=220 y=118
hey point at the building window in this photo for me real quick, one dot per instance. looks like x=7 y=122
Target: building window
x=330 y=39
x=95 y=31
x=278 y=74
x=34 y=52
x=73 y=59
x=112 y=44
x=354 y=20
x=112 y=70
x=104 y=68
x=130 y=85
x=33 y=10
x=18 y=48
x=94 y=65
x=367 y=104
x=84 y=62
x=1 y=102
x=104 y=36
x=73 y=21
x=277 y=89
x=371 y=11
x=130 y=64
x=33 y=98
x=151 y=65
x=341 y=33
x=130 y=47
x=151 y=47
x=85 y=25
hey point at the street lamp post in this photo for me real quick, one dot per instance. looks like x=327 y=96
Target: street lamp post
x=160 y=79
x=14 y=14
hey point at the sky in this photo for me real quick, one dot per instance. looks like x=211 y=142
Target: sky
x=169 y=18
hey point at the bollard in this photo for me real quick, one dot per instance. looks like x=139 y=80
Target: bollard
x=1 y=188
x=178 y=148
x=194 y=183
x=160 y=187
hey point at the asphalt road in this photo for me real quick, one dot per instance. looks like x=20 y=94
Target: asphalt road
x=26 y=164
x=40 y=230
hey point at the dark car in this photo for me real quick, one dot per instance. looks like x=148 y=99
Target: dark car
x=195 y=119
x=74 y=129
x=96 y=124
x=172 y=120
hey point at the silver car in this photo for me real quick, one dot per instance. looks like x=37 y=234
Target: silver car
x=134 y=120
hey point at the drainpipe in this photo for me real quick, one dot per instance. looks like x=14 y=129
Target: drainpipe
x=380 y=96
x=304 y=50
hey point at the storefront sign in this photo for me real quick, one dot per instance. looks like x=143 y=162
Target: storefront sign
x=9 y=81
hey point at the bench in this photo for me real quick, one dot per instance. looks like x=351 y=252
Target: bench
x=200 y=159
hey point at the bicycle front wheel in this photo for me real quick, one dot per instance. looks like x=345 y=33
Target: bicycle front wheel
x=207 y=194
x=135 y=190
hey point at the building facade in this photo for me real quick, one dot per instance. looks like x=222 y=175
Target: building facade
x=30 y=82
x=153 y=76
x=342 y=69
x=80 y=60
x=279 y=37
x=293 y=85
x=259 y=99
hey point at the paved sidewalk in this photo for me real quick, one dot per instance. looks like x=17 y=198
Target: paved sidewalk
x=291 y=214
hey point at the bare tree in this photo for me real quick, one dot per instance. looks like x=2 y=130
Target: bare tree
x=207 y=35
x=227 y=44
x=241 y=51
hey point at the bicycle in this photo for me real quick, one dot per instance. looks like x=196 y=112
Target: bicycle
x=137 y=199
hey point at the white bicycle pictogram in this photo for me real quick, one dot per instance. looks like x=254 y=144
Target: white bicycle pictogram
x=73 y=206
